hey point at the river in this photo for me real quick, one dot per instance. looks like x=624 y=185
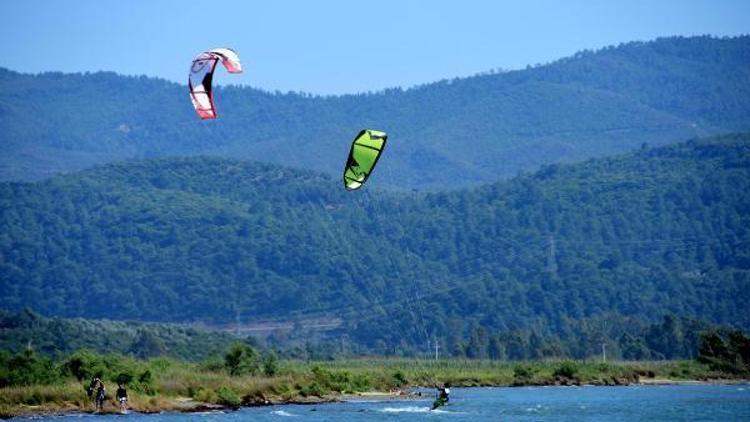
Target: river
x=648 y=403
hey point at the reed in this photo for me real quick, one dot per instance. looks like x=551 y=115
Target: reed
x=170 y=385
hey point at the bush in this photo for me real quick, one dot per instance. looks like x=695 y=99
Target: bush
x=399 y=379
x=270 y=364
x=228 y=397
x=84 y=365
x=523 y=371
x=26 y=368
x=312 y=389
x=567 y=369
x=241 y=359
x=205 y=395
x=124 y=378
x=212 y=364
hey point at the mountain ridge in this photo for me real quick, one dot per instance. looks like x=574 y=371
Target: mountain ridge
x=660 y=230
x=453 y=133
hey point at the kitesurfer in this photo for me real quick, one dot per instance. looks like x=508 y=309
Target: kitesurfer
x=443 y=396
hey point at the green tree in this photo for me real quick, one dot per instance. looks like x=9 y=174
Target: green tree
x=147 y=345
x=270 y=364
x=241 y=359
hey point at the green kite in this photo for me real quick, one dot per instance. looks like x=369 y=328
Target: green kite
x=366 y=149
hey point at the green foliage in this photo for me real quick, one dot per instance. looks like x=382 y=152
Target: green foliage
x=85 y=364
x=523 y=371
x=124 y=378
x=726 y=351
x=212 y=363
x=26 y=368
x=450 y=133
x=59 y=336
x=147 y=345
x=227 y=397
x=399 y=379
x=343 y=381
x=547 y=265
x=270 y=364
x=319 y=379
x=567 y=369
x=241 y=359
x=205 y=395
x=312 y=389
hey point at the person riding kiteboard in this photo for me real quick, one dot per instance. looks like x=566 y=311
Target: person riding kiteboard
x=443 y=396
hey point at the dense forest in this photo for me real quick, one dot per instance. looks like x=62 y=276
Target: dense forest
x=58 y=336
x=447 y=134
x=609 y=335
x=610 y=244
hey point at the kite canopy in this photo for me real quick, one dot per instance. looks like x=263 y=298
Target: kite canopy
x=201 y=75
x=366 y=149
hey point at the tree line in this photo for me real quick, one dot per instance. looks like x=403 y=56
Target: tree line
x=659 y=231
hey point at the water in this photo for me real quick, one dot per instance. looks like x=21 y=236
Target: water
x=653 y=403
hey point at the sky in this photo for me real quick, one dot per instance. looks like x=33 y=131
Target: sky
x=339 y=46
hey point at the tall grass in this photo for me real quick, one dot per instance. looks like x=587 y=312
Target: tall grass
x=175 y=385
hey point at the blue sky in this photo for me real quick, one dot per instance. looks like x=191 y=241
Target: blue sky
x=337 y=46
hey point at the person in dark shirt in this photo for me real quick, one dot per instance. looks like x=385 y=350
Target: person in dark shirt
x=122 y=397
x=443 y=396
x=101 y=394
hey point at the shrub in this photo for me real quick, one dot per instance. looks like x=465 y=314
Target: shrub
x=567 y=369
x=241 y=359
x=523 y=371
x=26 y=368
x=213 y=364
x=270 y=364
x=205 y=395
x=124 y=378
x=399 y=379
x=84 y=364
x=312 y=389
x=228 y=397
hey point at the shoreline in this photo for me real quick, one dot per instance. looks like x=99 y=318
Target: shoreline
x=189 y=405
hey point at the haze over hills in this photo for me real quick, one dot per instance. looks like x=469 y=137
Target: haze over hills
x=442 y=135
x=660 y=230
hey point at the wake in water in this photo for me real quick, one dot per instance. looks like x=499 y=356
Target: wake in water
x=282 y=413
x=412 y=409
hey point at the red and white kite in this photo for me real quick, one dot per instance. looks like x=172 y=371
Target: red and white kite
x=201 y=75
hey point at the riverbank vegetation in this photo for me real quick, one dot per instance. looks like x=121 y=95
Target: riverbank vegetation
x=244 y=376
x=672 y=338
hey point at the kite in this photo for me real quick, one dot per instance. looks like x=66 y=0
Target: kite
x=201 y=75
x=366 y=149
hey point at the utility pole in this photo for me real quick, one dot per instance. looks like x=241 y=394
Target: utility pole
x=437 y=348
x=604 y=352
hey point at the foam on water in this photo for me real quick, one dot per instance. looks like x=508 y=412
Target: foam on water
x=407 y=409
x=282 y=413
x=413 y=409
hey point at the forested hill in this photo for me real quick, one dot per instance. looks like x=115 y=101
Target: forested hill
x=446 y=134
x=661 y=230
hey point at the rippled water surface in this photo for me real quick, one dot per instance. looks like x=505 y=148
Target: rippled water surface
x=653 y=403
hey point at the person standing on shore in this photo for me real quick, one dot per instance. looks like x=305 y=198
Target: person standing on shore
x=101 y=394
x=122 y=397
x=91 y=389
